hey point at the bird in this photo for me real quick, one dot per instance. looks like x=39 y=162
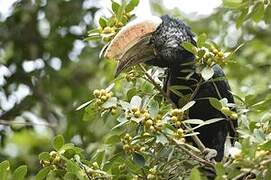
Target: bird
x=157 y=41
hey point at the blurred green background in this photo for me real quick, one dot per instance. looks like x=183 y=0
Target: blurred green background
x=47 y=70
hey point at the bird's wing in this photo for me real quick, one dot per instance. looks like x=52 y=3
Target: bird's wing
x=223 y=88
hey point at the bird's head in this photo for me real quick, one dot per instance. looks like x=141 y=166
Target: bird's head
x=155 y=41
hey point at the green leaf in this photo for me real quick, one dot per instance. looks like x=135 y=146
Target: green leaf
x=195 y=174
x=201 y=40
x=112 y=102
x=58 y=142
x=136 y=101
x=43 y=173
x=161 y=139
x=193 y=121
x=113 y=139
x=214 y=120
x=72 y=167
x=180 y=87
x=44 y=156
x=153 y=108
x=115 y=7
x=131 y=5
x=90 y=113
x=207 y=73
x=83 y=105
x=267 y=15
x=20 y=173
x=70 y=176
x=220 y=171
x=241 y=18
x=189 y=47
x=233 y=4
x=266 y=146
x=258 y=12
x=215 y=103
x=99 y=156
x=139 y=160
x=130 y=93
x=188 y=105
x=4 y=169
x=120 y=124
x=103 y=22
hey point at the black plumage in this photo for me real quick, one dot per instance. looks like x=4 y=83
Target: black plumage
x=166 y=42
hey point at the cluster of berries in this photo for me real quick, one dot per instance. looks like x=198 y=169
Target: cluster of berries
x=226 y=110
x=177 y=116
x=101 y=96
x=131 y=75
x=55 y=161
x=129 y=147
x=210 y=56
x=114 y=24
x=152 y=173
x=93 y=171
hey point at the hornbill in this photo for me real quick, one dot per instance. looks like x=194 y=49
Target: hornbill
x=157 y=41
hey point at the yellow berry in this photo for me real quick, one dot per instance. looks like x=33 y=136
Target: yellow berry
x=151 y=176
x=126 y=147
x=56 y=160
x=99 y=102
x=137 y=114
x=135 y=109
x=146 y=134
x=113 y=111
x=214 y=50
x=127 y=136
x=178 y=123
x=146 y=116
x=96 y=93
x=226 y=111
x=220 y=54
x=142 y=149
x=234 y=116
x=104 y=98
x=45 y=163
x=152 y=129
x=259 y=153
x=108 y=30
x=152 y=170
x=103 y=92
x=95 y=165
x=174 y=119
x=180 y=132
x=159 y=125
x=108 y=95
x=149 y=123
x=53 y=154
x=175 y=112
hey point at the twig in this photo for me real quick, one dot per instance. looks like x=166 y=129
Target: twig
x=194 y=137
x=242 y=175
x=194 y=156
x=157 y=86
x=10 y=123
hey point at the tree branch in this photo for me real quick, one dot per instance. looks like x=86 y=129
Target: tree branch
x=194 y=137
x=10 y=123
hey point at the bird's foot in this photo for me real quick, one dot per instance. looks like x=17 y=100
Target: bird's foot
x=209 y=154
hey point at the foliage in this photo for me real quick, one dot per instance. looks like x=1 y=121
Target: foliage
x=129 y=129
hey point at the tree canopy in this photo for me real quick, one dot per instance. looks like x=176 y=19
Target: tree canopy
x=64 y=115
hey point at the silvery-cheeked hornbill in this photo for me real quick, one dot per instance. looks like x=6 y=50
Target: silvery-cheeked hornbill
x=157 y=41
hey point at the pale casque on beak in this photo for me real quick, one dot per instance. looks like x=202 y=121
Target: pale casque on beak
x=131 y=45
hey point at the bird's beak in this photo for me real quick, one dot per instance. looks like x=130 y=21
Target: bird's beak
x=131 y=45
